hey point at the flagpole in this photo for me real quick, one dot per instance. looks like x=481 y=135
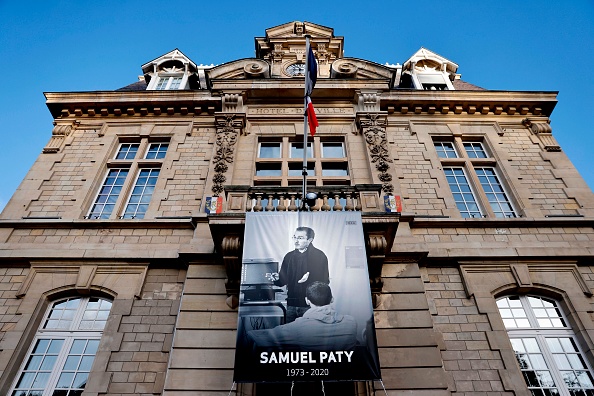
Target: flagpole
x=304 y=172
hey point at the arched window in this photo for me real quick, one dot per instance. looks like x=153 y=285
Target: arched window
x=545 y=347
x=62 y=353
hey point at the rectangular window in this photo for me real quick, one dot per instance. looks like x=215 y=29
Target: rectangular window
x=127 y=151
x=445 y=150
x=296 y=169
x=489 y=197
x=463 y=195
x=280 y=163
x=495 y=194
x=335 y=169
x=175 y=82
x=475 y=150
x=333 y=150
x=297 y=150
x=162 y=84
x=168 y=83
x=269 y=150
x=141 y=194
x=269 y=169
x=157 y=151
x=37 y=371
x=108 y=194
x=433 y=82
x=109 y=202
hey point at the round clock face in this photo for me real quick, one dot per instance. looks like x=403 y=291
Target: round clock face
x=296 y=69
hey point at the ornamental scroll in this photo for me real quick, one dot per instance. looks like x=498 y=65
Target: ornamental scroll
x=544 y=132
x=373 y=127
x=59 y=133
x=228 y=130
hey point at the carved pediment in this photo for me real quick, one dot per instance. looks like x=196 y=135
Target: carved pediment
x=241 y=69
x=287 y=43
x=173 y=60
x=427 y=60
x=361 y=69
x=296 y=28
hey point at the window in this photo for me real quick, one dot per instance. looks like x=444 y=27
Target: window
x=280 y=163
x=59 y=362
x=473 y=179
x=145 y=170
x=433 y=81
x=269 y=150
x=141 y=194
x=463 y=195
x=445 y=150
x=545 y=346
x=168 y=83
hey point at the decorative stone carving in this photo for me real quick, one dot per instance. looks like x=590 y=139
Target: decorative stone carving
x=344 y=69
x=544 y=132
x=59 y=133
x=256 y=69
x=228 y=129
x=368 y=101
x=231 y=252
x=373 y=127
x=232 y=102
x=376 y=254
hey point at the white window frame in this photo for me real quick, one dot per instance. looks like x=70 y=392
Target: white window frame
x=540 y=334
x=322 y=144
x=472 y=192
x=68 y=335
x=137 y=214
x=154 y=84
x=437 y=77
x=470 y=165
x=133 y=166
x=310 y=150
x=280 y=151
x=316 y=162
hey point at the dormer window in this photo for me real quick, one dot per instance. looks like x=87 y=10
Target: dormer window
x=433 y=82
x=428 y=71
x=170 y=72
x=166 y=83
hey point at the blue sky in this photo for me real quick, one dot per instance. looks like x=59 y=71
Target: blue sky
x=61 y=45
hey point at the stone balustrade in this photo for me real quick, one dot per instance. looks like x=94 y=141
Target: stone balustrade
x=364 y=198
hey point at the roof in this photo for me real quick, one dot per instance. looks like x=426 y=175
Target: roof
x=465 y=86
x=137 y=86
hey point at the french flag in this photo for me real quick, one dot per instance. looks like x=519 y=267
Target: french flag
x=310 y=82
x=312 y=120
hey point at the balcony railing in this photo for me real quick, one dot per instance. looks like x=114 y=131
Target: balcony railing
x=362 y=197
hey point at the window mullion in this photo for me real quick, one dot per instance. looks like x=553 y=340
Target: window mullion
x=126 y=191
x=481 y=197
x=550 y=361
x=529 y=313
x=60 y=361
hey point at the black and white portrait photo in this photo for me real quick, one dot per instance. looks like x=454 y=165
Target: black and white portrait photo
x=305 y=311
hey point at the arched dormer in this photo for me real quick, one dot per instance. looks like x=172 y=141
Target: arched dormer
x=172 y=71
x=429 y=71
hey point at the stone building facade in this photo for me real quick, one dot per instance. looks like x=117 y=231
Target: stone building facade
x=115 y=280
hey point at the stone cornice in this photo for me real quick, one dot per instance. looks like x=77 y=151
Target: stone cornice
x=163 y=222
x=293 y=88
x=105 y=103
x=420 y=222
x=193 y=103
x=469 y=102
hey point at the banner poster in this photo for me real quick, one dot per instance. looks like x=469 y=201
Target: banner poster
x=305 y=311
